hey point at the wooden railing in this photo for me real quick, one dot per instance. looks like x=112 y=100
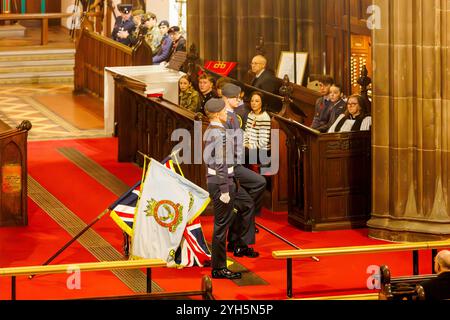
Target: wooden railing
x=289 y=255
x=81 y=267
x=95 y=52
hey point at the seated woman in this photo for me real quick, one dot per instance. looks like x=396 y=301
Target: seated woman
x=355 y=117
x=257 y=129
x=189 y=97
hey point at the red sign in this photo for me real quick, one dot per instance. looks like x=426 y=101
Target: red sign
x=220 y=67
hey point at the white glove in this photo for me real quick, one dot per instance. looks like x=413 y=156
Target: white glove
x=225 y=197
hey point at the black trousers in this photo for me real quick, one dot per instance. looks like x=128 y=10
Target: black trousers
x=224 y=216
x=250 y=197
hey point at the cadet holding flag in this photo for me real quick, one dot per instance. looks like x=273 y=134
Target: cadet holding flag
x=221 y=186
x=252 y=184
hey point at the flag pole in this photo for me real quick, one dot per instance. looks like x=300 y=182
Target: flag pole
x=73 y=240
x=283 y=239
x=99 y=217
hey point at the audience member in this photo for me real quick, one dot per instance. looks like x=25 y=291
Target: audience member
x=220 y=83
x=439 y=287
x=149 y=29
x=257 y=130
x=355 y=117
x=124 y=26
x=336 y=107
x=189 y=97
x=264 y=79
x=166 y=44
x=321 y=112
x=206 y=87
x=178 y=41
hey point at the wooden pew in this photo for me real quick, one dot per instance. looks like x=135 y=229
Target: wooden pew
x=401 y=288
x=325 y=190
x=13 y=174
x=298 y=104
x=94 y=52
x=146 y=126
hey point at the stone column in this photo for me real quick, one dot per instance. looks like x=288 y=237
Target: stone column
x=411 y=120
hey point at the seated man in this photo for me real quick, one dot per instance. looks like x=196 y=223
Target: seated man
x=178 y=41
x=322 y=109
x=163 y=54
x=439 y=288
x=124 y=26
x=264 y=79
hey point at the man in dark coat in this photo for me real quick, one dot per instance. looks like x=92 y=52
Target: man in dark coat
x=178 y=41
x=264 y=79
x=439 y=287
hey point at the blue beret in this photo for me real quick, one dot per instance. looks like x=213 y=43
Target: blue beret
x=231 y=90
x=214 y=105
x=164 y=23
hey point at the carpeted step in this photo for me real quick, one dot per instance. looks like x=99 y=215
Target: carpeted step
x=37 y=66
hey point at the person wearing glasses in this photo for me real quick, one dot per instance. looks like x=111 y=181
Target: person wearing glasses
x=439 y=287
x=355 y=118
x=264 y=79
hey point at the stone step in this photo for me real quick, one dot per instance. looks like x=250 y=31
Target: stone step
x=12 y=30
x=48 y=74
x=35 y=68
x=59 y=62
x=57 y=80
x=39 y=55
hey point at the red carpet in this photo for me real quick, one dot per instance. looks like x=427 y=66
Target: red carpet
x=87 y=198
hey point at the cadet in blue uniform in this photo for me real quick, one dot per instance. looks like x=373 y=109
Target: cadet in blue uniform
x=124 y=26
x=252 y=183
x=221 y=186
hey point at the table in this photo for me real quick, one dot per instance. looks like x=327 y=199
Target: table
x=44 y=17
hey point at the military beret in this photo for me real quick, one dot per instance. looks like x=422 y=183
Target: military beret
x=149 y=15
x=231 y=90
x=125 y=8
x=214 y=105
x=138 y=12
x=164 y=23
x=173 y=29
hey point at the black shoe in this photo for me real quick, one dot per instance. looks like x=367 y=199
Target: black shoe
x=245 y=251
x=225 y=274
x=231 y=246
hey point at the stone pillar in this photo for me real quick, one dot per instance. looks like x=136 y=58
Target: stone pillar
x=411 y=119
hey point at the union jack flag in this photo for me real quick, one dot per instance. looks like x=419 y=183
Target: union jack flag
x=124 y=209
x=193 y=250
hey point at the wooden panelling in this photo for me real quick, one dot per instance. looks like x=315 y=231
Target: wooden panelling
x=329 y=178
x=95 y=52
x=13 y=176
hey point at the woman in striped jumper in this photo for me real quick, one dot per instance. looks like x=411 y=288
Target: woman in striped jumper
x=257 y=129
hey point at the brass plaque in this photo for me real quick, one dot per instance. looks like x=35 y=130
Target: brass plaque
x=11 y=182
